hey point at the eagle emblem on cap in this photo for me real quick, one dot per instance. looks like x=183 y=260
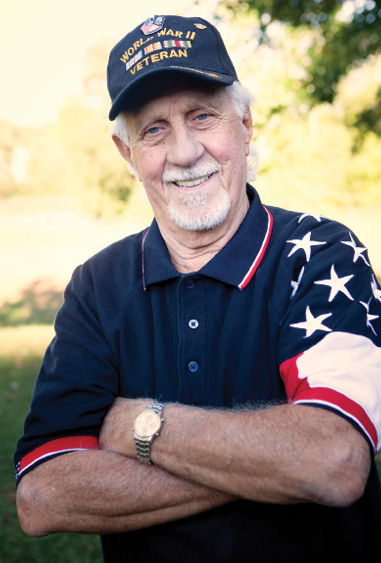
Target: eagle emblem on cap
x=152 y=25
x=200 y=26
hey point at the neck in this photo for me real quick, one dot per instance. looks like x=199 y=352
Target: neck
x=191 y=250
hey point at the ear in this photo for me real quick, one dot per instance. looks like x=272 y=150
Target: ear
x=248 y=125
x=123 y=149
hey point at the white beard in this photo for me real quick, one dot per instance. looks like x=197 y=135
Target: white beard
x=192 y=211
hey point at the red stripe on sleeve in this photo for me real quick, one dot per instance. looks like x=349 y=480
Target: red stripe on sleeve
x=55 y=447
x=299 y=391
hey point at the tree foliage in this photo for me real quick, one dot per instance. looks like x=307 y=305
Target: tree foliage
x=312 y=153
x=94 y=166
x=13 y=156
x=74 y=155
x=344 y=33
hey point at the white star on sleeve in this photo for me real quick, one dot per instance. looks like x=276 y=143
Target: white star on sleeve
x=295 y=284
x=304 y=244
x=358 y=250
x=311 y=324
x=369 y=317
x=336 y=284
x=375 y=289
x=317 y=217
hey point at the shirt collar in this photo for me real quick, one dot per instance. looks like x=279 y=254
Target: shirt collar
x=235 y=264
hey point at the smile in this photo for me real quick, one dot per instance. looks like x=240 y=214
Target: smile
x=192 y=183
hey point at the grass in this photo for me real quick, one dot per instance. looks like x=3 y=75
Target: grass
x=21 y=353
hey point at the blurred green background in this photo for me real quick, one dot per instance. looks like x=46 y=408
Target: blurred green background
x=314 y=67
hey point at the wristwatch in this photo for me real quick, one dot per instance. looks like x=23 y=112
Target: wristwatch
x=147 y=425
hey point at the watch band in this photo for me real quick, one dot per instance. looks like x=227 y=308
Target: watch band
x=157 y=407
x=143 y=444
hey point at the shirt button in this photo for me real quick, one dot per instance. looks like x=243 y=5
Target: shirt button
x=193 y=323
x=193 y=367
x=190 y=284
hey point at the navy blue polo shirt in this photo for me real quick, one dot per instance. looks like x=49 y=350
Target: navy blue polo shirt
x=288 y=310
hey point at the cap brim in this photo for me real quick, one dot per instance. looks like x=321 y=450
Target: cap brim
x=138 y=93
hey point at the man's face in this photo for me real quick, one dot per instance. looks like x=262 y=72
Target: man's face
x=189 y=149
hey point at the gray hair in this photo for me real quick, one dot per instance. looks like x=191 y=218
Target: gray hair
x=241 y=99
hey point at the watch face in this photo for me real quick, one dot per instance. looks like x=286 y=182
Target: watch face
x=147 y=423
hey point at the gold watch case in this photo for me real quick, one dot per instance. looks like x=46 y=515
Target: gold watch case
x=147 y=424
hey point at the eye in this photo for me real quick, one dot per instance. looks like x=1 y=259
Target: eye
x=202 y=117
x=153 y=130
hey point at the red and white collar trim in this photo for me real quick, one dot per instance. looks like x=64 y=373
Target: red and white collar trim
x=261 y=253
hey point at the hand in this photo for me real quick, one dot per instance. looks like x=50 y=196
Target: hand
x=116 y=434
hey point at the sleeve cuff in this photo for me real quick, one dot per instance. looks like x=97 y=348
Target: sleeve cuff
x=52 y=449
x=340 y=373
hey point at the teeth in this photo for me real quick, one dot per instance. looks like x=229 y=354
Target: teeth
x=191 y=183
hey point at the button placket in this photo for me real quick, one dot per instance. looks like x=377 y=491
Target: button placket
x=193 y=339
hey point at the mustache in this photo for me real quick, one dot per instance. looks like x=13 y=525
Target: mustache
x=173 y=173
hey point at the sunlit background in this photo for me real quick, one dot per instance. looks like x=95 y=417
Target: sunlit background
x=314 y=67
x=43 y=44
x=65 y=192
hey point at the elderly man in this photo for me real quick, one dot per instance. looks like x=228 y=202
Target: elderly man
x=215 y=381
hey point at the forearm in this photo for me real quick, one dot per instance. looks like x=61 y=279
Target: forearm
x=104 y=492
x=284 y=454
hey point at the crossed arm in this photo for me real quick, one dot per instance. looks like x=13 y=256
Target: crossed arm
x=203 y=458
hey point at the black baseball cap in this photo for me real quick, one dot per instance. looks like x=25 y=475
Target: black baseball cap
x=170 y=44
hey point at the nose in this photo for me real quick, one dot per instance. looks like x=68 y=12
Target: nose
x=184 y=149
